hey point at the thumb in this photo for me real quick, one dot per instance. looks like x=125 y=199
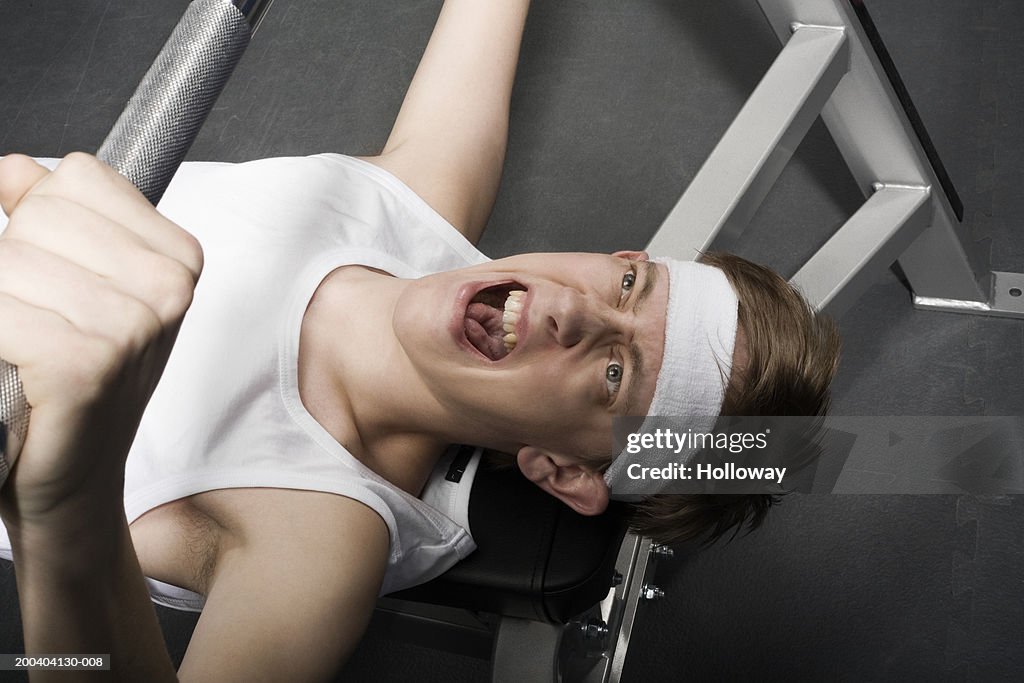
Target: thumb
x=18 y=175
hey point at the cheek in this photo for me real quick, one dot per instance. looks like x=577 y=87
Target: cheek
x=588 y=442
x=568 y=403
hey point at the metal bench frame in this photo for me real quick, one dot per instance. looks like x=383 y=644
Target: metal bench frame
x=832 y=63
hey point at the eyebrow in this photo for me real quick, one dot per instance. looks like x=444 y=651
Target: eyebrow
x=636 y=361
x=650 y=275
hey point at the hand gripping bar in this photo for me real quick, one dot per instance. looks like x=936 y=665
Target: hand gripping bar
x=152 y=135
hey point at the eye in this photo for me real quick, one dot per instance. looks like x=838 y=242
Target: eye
x=613 y=378
x=628 y=280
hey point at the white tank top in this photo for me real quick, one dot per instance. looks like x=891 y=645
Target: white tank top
x=227 y=412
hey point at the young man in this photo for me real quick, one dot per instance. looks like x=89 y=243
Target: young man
x=342 y=335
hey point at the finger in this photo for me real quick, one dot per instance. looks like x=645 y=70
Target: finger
x=83 y=298
x=60 y=369
x=85 y=180
x=97 y=244
x=18 y=175
x=30 y=338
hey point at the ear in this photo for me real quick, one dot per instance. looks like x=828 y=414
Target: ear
x=580 y=487
x=633 y=255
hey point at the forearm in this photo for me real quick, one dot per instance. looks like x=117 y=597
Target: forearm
x=96 y=286
x=464 y=80
x=82 y=592
x=456 y=110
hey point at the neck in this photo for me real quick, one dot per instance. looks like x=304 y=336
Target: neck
x=356 y=381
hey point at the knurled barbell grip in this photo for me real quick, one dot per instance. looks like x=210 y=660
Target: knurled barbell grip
x=150 y=138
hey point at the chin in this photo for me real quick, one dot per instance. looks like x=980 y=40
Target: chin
x=420 y=323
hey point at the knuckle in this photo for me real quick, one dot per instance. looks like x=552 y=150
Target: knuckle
x=134 y=325
x=173 y=284
x=79 y=162
x=14 y=163
x=38 y=219
x=78 y=173
x=192 y=254
x=103 y=353
x=28 y=216
x=183 y=247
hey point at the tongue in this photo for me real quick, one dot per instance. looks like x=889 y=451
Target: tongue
x=484 y=330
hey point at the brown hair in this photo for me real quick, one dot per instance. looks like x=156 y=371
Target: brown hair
x=791 y=357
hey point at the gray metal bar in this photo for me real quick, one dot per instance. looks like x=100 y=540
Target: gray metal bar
x=748 y=159
x=634 y=556
x=152 y=135
x=433 y=626
x=864 y=247
x=526 y=650
x=878 y=142
x=149 y=140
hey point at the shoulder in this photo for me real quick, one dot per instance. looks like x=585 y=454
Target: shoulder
x=293 y=587
x=265 y=518
x=424 y=209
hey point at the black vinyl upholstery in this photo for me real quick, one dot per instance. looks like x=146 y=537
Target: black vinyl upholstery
x=535 y=559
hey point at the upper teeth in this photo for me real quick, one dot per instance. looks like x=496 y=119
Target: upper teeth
x=513 y=306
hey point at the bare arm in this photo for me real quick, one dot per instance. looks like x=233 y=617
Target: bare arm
x=291 y=596
x=84 y=593
x=448 y=142
x=93 y=285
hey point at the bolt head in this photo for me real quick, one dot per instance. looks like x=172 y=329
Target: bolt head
x=651 y=592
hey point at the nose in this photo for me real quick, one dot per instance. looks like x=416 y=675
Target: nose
x=574 y=317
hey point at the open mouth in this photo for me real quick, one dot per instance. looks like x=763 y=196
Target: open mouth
x=492 y=319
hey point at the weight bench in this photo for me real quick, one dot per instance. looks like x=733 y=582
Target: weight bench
x=552 y=596
x=547 y=592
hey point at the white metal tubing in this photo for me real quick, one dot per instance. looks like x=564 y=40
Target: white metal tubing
x=867 y=244
x=878 y=142
x=748 y=159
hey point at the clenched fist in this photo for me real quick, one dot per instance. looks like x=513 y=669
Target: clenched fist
x=93 y=287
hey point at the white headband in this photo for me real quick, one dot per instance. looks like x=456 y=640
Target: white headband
x=700 y=334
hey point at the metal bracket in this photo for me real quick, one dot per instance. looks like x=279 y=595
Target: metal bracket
x=620 y=607
x=834 y=63
x=1006 y=300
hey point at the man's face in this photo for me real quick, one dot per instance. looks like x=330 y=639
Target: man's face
x=549 y=367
